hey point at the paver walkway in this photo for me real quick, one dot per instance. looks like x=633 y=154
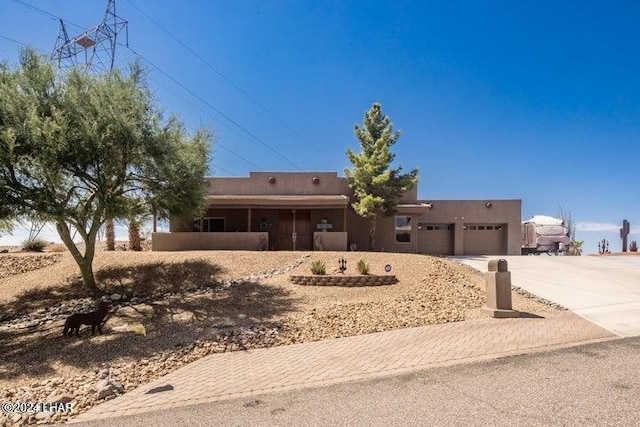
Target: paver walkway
x=245 y=373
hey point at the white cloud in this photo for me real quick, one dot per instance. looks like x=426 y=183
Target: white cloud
x=597 y=226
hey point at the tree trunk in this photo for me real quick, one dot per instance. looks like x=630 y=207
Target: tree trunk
x=110 y=235
x=372 y=234
x=134 y=237
x=85 y=263
x=86 y=271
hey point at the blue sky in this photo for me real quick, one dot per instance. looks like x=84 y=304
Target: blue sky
x=535 y=100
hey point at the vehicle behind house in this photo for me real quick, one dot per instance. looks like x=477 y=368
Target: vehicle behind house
x=544 y=234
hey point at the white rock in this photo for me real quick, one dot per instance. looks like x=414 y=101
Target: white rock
x=104 y=393
x=40 y=416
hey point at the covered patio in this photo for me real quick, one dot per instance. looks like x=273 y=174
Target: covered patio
x=263 y=222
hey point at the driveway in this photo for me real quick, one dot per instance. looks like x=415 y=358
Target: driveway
x=603 y=290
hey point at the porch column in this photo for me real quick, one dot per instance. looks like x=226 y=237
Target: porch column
x=249 y=220
x=344 y=219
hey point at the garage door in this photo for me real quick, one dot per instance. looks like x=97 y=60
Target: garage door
x=435 y=239
x=485 y=239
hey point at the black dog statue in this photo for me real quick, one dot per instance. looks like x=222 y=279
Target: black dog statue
x=94 y=318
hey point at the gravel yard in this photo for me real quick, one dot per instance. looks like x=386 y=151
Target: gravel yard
x=197 y=303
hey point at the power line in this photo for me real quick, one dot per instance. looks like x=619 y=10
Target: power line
x=229 y=119
x=228 y=172
x=21 y=43
x=208 y=104
x=224 y=77
x=212 y=116
x=47 y=14
x=183 y=98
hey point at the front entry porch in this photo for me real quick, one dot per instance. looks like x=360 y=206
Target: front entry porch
x=300 y=228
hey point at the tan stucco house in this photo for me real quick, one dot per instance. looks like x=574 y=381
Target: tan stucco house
x=312 y=211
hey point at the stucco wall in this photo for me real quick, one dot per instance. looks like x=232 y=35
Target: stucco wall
x=331 y=241
x=461 y=212
x=208 y=241
x=333 y=216
x=286 y=183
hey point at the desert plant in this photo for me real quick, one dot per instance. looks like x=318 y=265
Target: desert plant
x=575 y=247
x=363 y=267
x=34 y=245
x=318 y=268
x=57 y=248
x=633 y=246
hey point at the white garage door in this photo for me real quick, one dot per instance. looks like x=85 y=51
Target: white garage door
x=435 y=239
x=485 y=239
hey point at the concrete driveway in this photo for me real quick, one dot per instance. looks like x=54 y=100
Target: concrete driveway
x=603 y=290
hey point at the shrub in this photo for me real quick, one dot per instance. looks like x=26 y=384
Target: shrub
x=317 y=267
x=57 y=248
x=34 y=245
x=633 y=246
x=363 y=267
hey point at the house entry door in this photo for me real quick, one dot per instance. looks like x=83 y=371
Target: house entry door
x=286 y=223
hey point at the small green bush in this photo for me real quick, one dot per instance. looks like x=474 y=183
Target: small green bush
x=633 y=246
x=363 y=267
x=34 y=245
x=317 y=267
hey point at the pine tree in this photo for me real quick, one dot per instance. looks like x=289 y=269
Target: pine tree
x=376 y=185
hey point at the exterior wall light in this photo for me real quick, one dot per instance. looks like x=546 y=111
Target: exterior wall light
x=315 y=180
x=489 y=204
x=272 y=180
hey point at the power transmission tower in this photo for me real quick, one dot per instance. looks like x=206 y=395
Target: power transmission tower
x=95 y=49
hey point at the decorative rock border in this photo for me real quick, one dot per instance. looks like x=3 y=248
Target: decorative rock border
x=84 y=305
x=343 y=280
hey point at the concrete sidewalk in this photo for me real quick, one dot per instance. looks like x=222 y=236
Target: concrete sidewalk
x=245 y=373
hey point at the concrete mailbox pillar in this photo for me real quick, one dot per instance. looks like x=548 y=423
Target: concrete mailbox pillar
x=498 y=287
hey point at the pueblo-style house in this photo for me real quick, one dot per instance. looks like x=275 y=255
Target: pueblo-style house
x=306 y=211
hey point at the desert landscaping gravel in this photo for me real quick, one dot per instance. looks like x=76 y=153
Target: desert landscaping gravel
x=197 y=303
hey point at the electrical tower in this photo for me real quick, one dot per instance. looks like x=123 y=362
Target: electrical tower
x=94 y=50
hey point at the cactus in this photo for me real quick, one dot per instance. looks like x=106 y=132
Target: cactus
x=633 y=246
x=624 y=233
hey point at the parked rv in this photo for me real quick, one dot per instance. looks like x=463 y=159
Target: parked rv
x=544 y=234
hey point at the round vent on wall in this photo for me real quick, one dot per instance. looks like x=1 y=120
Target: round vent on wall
x=316 y=180
x=272 y=180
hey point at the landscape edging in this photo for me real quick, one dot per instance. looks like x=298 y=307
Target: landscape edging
x=344 y=280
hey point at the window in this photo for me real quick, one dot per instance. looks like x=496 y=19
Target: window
x=209 y=225
x=485 y=227
x=434 y=227
x=403 y=229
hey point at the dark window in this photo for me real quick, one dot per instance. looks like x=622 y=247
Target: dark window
x=403 y=229
x=207 y=225
x=403 y=237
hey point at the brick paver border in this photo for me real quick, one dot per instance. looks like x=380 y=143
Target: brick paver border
x=246 y=373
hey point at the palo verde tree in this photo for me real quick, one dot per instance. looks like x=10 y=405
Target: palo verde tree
x=376 y=185
x=6 y=226
x=77 y=148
